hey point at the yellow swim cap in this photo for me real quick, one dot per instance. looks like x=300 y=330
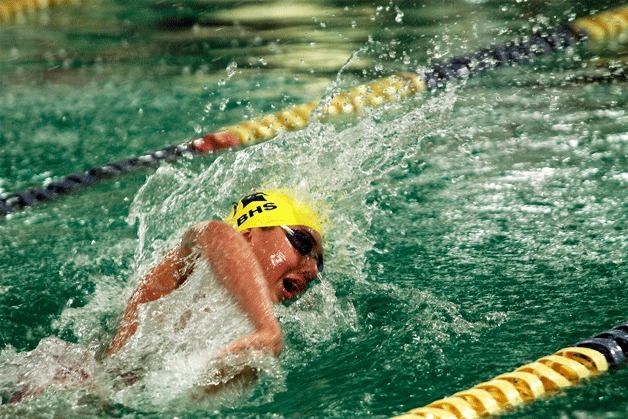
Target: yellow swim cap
x=271 y=208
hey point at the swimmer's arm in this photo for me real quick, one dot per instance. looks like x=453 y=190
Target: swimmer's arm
x=164 y=278
x=237 y=268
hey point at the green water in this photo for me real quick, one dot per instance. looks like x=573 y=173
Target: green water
x=472 y=230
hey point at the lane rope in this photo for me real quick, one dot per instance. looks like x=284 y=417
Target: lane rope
x=16 y=10
x=602 y=27
x=545 y=376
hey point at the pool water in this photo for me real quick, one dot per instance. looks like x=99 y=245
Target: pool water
x=471 y=230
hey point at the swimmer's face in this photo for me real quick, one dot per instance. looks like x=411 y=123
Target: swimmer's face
x=287 y=271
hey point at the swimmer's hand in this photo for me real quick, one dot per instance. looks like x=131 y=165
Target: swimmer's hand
x=232 y=367
x=267 y=340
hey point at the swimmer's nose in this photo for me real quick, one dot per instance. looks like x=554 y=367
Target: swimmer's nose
x=309 y=265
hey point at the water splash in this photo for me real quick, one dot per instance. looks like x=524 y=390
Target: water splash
x=339 y=166
x=173 y=354
x=344 y=167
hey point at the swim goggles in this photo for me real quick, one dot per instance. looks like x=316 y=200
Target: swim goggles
x=304 y=243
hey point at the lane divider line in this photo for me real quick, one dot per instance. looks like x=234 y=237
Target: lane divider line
x=16 y=10
x=603 y=27
x=547 y=375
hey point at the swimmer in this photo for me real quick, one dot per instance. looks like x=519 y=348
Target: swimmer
x=268 y=250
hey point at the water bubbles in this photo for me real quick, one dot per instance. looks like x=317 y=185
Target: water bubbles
x=231 y=71
x=231 y=68
x=562 y=127
x=399 y=16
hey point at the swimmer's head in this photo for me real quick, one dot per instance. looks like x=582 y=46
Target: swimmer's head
x=269 y=209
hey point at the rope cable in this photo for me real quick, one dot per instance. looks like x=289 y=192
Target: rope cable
x=15 y=10
x=549 y=374
x=606 y=26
